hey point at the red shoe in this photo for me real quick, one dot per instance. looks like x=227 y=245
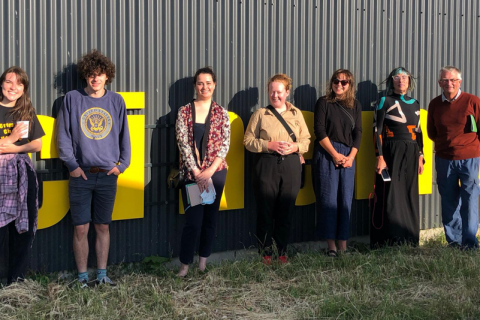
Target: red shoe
x=283 y=259
x=267 y=260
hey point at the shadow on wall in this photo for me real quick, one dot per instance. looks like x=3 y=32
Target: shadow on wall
x=159 y=200
x=180 y=93
x=367 y=94
x=243 y=103
x=65 y=81
x=305 y=97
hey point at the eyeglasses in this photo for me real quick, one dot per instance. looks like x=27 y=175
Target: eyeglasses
x=343 y=82
x=449 y=80
x=398 y=78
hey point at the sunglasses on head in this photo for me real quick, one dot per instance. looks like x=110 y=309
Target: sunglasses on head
x=343 y=82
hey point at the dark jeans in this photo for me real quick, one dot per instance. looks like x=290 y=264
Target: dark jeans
x=19 y=245
x=100 y=190
x=201 y=219
x=333 y=188
x=276 y=184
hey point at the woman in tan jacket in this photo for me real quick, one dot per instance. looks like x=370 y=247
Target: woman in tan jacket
x=277 y=165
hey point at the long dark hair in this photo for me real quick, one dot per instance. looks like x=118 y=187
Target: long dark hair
x=23 y=109
x=349 y=98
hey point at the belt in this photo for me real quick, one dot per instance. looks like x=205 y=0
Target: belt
x=280 y=157
x=95 y=170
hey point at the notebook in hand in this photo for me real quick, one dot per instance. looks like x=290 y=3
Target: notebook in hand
x=194 y=196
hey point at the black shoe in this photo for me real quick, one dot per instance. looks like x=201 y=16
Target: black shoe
x=332 y=253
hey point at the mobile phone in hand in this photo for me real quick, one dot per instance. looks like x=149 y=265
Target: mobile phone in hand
x=385 y=175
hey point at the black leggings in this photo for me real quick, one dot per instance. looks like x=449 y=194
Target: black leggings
x=19 y=245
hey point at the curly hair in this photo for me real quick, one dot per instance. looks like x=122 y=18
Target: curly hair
x=95 y=63
x=282 y=78
x=23 y=109
x=389 y=80
x=205 y=70
x=348 y=99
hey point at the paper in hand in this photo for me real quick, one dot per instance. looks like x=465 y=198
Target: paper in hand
x=195 y=197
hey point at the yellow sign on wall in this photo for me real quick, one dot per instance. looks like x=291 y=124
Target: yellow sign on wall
x=129 y=203
x=306 y=195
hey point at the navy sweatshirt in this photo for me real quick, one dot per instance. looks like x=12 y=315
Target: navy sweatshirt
x=93 y=132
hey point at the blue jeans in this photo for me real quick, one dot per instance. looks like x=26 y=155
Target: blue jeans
x=333 y=188
x=459 y=202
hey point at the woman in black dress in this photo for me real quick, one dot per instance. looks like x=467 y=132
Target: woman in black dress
x=399 y=150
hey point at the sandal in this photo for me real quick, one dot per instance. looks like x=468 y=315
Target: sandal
x=332 y=253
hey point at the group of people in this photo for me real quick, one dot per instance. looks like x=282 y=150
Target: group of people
x=94 y=143
x=278 y=137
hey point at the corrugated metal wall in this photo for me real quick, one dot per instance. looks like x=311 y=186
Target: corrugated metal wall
x=158 y=45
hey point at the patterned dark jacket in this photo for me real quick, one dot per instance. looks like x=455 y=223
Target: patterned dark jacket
x=218 y=139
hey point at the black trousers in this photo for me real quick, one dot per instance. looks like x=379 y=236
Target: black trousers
x=201 y=219
x=19 y=245
x=276 y=182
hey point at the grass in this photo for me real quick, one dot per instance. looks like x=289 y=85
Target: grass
x=430 y=282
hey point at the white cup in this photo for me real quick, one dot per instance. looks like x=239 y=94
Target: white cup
x=25 y=132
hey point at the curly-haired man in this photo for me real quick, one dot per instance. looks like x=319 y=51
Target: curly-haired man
x=94 y=143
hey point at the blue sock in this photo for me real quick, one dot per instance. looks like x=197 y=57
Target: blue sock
x=101 y=273
x=83 y=276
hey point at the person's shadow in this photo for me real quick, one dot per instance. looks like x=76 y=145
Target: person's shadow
x=64 y=81
x=305 y=97
x=368 y=95
x=163 y=156
x=244 y=103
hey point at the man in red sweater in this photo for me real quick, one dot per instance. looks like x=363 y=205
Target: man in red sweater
x=453 y=118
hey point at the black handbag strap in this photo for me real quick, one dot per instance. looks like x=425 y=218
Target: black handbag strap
x=282 y=121
x=348 y=114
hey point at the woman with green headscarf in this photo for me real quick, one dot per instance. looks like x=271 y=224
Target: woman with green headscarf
x=399 y=150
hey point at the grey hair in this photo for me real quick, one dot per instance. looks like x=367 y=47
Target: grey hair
x=450 y=69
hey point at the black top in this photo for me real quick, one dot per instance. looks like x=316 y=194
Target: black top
x=198 y=132
x=332 y=122
x=397 y=117
x=7 y=125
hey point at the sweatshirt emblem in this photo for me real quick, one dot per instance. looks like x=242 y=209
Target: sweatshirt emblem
x=96 y=123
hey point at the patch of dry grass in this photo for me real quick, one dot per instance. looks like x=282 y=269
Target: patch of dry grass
x=430 y=282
